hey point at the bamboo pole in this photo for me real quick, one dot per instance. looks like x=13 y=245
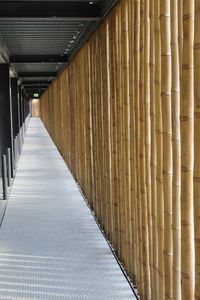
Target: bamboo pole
x=180 y=34
x=143 y=208
x=139 y=272
x=120 y=144
x=114 y=132
x=167 y=142
x=132 y=164
x=197 y=147
x=176 y=153
x=154 y=251
x=147 y=131
x=159 y=152
x=126 y=134
x=187 y=146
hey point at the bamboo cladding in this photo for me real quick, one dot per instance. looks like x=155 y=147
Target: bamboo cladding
x=35 y=108
x=125 y=114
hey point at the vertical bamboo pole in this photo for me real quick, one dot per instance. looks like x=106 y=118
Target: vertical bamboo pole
x=143 y=188
x=197 y=147
x=159 y=152
x=154 y=251
x=147 y=130
x=109 y=130
x=128 y=138
x=167 y=142
x=132 y=163
x=176 y=153
x=113 y=56
x=120 y=132
x=180 y=34
x=187 y=147
x=139 y=269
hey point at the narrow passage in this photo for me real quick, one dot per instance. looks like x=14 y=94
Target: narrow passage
x=50 y=245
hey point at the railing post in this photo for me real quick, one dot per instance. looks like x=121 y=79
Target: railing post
x=8 y=159
x=15 y=151
x=19 y=142
x=4 y=176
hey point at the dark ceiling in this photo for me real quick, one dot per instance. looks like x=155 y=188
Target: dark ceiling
x=39 y=38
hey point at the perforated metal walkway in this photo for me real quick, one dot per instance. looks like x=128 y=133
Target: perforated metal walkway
x=50 y=245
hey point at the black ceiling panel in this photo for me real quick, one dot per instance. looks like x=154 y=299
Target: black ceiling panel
x=40 y=37
x=70 y=10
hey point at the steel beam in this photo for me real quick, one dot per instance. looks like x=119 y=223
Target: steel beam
x=35 y=86
x=82 y=11
x=37 y=74
x=16 y=59
x=36 y=82
x=34 y=90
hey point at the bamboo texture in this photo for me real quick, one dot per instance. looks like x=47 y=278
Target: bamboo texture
x=176 y=184
x=196 y=148
x=187 y=153
x=125 y=116
x=35 y=108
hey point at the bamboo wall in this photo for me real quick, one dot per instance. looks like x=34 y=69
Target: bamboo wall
x=35 y=108
x=125 y=115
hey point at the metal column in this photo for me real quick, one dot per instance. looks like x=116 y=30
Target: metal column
x=6 y=126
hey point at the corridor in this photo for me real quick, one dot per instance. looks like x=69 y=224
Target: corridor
x=50 y=244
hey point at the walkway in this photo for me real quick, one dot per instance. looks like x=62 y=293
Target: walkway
x=50 y=245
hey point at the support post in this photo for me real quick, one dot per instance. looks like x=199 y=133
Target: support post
x=6 y=125
x=4 y=176
x=8 y=160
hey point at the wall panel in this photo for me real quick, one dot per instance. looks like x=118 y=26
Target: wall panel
x=122 y=115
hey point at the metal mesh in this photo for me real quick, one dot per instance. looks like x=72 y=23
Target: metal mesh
x=41 y=36
x=51 y=247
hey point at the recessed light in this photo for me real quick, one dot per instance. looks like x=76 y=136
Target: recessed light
x=91 y=2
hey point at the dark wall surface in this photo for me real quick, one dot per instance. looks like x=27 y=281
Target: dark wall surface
x=6 y=132
x=15 y=106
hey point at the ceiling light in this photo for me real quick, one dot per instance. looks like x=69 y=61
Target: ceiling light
x=91 y=2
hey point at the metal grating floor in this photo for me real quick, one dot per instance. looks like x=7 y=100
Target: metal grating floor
x=50 y=245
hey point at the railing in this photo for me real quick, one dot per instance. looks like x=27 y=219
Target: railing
x=8 y=167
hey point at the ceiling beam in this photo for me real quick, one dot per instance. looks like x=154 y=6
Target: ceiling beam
x=15 y=59
x=37 y=74
x=34 y=88
x=35 y=85
x=29 y=87
x=33 y=91
x=36 y=82
x=82 y=11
